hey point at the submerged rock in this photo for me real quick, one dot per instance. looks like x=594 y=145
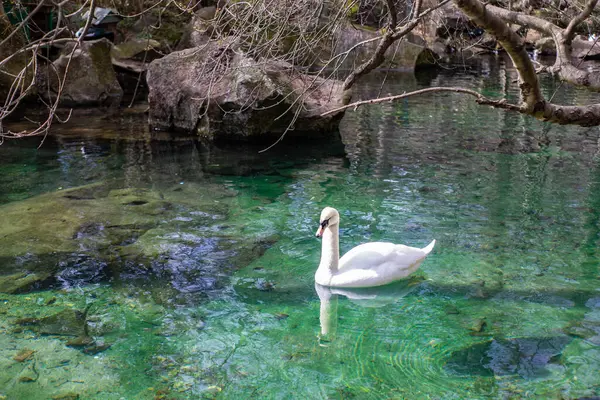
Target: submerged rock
x=66 y=396
x=80 y=341
x=67 y=322
x=219 y=92
x=525 y=357
x=23 y=355
x=89 y=217
x=23 y=282
x=99 y=234
x=96 y=348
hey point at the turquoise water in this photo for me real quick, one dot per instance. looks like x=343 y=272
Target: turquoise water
x=134 y=267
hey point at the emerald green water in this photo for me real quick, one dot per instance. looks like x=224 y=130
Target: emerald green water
x=144 y=268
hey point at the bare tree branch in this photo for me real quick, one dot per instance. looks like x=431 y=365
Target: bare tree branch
x=391 y=35
x=587 y=11
x=479 y=98
x=563 y=66
x=378 y=56
x=514 y=46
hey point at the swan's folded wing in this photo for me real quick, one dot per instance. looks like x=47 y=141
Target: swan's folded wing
x=377 y=254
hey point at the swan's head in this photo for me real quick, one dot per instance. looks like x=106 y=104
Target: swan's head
x=329 y=217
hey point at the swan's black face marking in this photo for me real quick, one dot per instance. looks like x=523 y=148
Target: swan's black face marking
x=322 y=227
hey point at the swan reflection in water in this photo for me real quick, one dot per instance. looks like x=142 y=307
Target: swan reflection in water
x=364 y=297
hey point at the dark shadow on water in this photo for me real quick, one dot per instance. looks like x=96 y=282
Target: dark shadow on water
x=528 y=358
x=247 y=159
x=238 y=159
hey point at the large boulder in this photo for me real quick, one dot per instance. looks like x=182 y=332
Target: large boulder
x=91 y=79
x=585 y=48
x=220 y=92
x=407 y=54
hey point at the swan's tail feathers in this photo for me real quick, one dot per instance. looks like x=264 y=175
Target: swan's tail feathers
x=429 y=247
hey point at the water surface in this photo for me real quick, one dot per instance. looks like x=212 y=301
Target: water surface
x=142 y=268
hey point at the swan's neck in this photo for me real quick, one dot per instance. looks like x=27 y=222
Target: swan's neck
x=330 y=251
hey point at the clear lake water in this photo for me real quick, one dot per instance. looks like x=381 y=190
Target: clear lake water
x=134 y=265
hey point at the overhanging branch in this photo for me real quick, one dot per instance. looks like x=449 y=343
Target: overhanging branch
x=479 y=99
x=514 y=46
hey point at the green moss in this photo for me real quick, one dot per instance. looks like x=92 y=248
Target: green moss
x=22 y=282
x=100 y=55
x=353 y=8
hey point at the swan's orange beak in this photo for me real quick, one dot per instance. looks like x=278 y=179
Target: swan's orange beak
x=320 y=231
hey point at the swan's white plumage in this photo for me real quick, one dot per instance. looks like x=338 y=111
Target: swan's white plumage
x=366 y=265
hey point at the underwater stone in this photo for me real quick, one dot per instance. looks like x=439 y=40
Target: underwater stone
x=87 y=192
x=579 y=331
x=478 y=326
x=526 y=357
x=264 y=285
x=593 y=302
x=23 y=355
x=96 y=348
x=66 y=322
x=250 y=252
x=66 y=396
x=23 y=282
x=451 y=309
x=80 y=341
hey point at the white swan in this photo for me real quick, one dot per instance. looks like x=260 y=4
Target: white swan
x=366 y=265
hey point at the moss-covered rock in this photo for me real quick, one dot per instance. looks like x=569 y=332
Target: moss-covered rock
x=91 y=80
x=66 y=322
x=74 y=215
x=23 y=282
